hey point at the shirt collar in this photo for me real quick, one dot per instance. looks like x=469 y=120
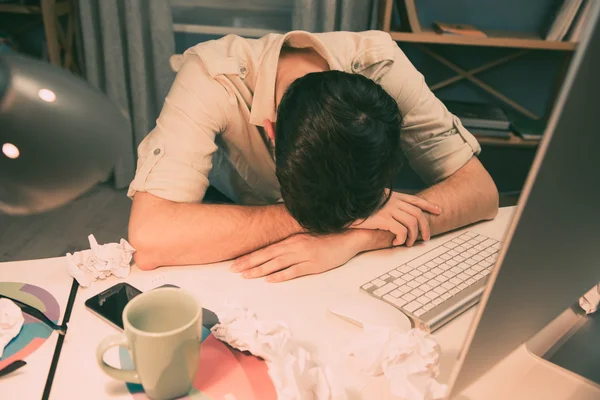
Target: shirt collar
x=263 y=101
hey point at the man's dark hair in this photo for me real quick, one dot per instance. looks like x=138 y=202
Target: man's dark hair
x=337 y=148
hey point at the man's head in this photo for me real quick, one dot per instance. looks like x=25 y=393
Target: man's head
x=336 y=147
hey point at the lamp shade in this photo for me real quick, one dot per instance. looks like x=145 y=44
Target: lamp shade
x=59 y=136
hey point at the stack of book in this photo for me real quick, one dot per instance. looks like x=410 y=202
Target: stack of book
x=570 y=20
x=481 y=119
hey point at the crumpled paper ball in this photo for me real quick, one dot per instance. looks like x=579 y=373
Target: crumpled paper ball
x=409 y=360
x=100 y=261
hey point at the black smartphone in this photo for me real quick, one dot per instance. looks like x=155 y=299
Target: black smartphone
x=110 y=303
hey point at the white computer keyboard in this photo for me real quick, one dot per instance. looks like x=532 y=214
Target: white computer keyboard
x=440 y=284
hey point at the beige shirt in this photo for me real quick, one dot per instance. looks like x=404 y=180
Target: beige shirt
x=211 y=126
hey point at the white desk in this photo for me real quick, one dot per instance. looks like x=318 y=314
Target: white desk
x=50 y=275
x=301 y=303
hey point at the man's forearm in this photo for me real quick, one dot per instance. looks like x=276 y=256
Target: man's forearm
x=369 y=239
x=168 y=233
x=468 y=196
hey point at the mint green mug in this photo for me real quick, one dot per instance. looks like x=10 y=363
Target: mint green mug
x=163 y=331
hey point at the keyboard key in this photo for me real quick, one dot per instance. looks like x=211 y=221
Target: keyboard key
x=469 y=234
x=413 y=284
x=470 y=281
x=463 y=276
x=463 y=286
x=429 y=306
x=480 y=238
x=438 y=301
x=445 y=256
x=421 y=279
x=417 y=292
x=451 y=244
x=452 y=263
x=400 y=281
x=470 y=261
x=384 y=277
x=453 y=253
x=405 y=289
x=472 y=243
x=420 y=312
x=496 y=246
x=455 y=281
x=395 y=273
x=414 y=273
x=439 y=279
x=410 y=307
x=440 y=290
x=408 y=297
x=456 y=270
x=448 y=274
x=478 y=276
x=395 y=293
x=463 y=266
x=486 y=272
x=430 y=264
x=460 y=248
x=479 y=247
x=470 y=272
x=425 y=287
x=453 y=291
x=446 y=296
x=367 y=286
x=397 y=302
x=444 y=266
x=385 y=289
x=423 y=268
x=431 y=295
x=478 y=267
x=429 y=275
x=423 y=300
x=405 y=269
x=437 y=270
x=447 y=285
x=437 y=261
x=378 y=282
x=477 y=257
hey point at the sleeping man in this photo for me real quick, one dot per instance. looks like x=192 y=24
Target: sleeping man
x=305 y=133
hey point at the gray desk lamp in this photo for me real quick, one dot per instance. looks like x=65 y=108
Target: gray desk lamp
x=58 y=135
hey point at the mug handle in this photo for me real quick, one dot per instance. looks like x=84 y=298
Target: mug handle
x=120 y=374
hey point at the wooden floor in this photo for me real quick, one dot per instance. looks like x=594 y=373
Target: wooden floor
x=103 y=211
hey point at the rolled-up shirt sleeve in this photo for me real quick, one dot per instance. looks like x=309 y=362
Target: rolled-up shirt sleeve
x=435 y=142
x=174 y=160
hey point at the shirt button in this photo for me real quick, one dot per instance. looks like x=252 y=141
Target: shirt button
x=356 y=65
x=156 y=152
x=243 y=70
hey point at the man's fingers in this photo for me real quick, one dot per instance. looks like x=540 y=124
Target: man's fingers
x=274 y=265
x=411 y=225
x=257 y=257
x=399 y=230
x=422 y=221
x=295 y=271
x=421 y=203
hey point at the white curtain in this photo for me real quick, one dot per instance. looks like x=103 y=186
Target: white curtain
x=126 y=50
x=335 y=15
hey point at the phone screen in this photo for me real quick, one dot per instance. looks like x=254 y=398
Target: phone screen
x=110 y=303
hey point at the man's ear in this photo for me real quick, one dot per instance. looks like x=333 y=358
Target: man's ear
x=269 y=129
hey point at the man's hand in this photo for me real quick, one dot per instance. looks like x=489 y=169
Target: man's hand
x=301 y=254
x=404 y=216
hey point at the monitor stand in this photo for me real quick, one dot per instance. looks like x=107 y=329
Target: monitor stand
x=571 y=342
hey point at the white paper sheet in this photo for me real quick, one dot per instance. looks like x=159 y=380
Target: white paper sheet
x=11 y=322
x=100 y=261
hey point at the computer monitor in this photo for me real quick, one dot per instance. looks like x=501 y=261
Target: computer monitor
x=551 y=252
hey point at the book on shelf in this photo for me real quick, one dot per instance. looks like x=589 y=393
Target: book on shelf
x=565 y=16
x=457 y=29
x=529 y=129
x=479 y=115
